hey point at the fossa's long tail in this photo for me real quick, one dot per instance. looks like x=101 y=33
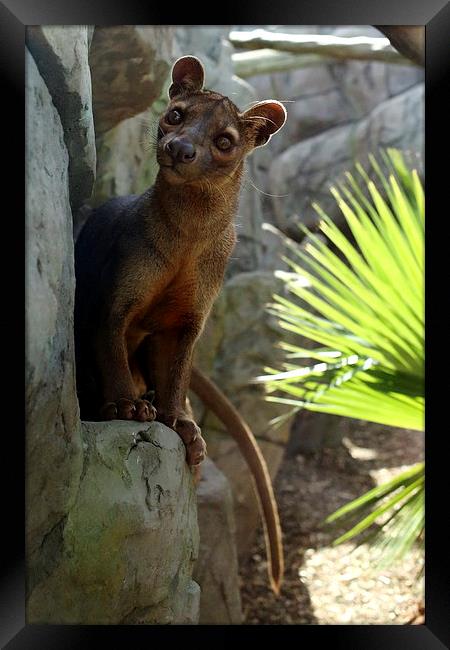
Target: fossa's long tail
x=214 y=399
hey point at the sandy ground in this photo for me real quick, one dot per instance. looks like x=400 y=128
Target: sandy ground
x=335 y=585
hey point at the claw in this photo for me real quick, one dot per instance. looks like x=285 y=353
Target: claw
x=108 y=411
x=127 y=409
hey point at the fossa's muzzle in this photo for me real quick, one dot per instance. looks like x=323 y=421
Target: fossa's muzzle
x=181 y=150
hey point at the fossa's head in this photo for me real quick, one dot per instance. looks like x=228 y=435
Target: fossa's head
x=202 y=135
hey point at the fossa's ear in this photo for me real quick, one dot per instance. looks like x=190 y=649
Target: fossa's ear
x=188 y=74
x=264 y=119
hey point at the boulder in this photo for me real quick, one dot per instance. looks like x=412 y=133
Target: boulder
x=314 y=102
x=126 y=158
x=129 y=65
x=238 y=342
x=305 y=171
x=347 y=86
x=53 y=441
x=61 y=55
x=312 y=432
x=249 y=251
x=126 y=127
x=216 y=570
x=128 y=543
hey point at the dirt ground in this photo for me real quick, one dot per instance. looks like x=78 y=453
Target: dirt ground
x=335 y=585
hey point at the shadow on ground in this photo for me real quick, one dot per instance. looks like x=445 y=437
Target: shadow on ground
x=308 y=488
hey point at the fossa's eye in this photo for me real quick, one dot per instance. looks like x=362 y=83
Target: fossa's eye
x=174 y=117
x=224 y=143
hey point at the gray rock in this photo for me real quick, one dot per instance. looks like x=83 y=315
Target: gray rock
x=126 y=153
x=230 y=461
x=186 y=606
x=204 y=41
x=362 y=85
x=216 y=570
x=313 y=432
x=130 y=540
x=350 y=31
x=249 y=249
x=294 y=83
x=306 y=170
x=312 y=99
x=400 y=78
x=325 y=96
x=126 y=158
x=61 y=54
x=129 y=65
x=53 y=441
x=239 y=341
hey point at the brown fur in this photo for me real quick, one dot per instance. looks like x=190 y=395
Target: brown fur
x=149 y=267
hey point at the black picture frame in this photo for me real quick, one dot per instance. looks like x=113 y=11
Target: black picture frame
x=15 y=15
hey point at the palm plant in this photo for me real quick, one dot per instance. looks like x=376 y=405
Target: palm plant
x=365 y=309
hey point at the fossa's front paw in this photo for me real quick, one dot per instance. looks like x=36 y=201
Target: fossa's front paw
x=128 y=409
x=190 y=434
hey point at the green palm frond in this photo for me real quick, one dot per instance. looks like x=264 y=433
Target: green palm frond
x=364 y=307
x=402 y=499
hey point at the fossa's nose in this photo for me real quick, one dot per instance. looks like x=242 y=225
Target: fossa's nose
x=181 y=150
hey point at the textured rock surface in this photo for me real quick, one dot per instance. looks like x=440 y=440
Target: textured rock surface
x=327 y=95
x=61 y=54
x=126 y=158
x=53 y=437
x=129 y=66
x=54 y=453
x=306 y=170
x=126 y=155
x=318 y=100
x=130 y=540
x=216 y=569
x=238 y=342
x=312 y=432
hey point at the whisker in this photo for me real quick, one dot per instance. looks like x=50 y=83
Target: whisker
x=276 y=196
